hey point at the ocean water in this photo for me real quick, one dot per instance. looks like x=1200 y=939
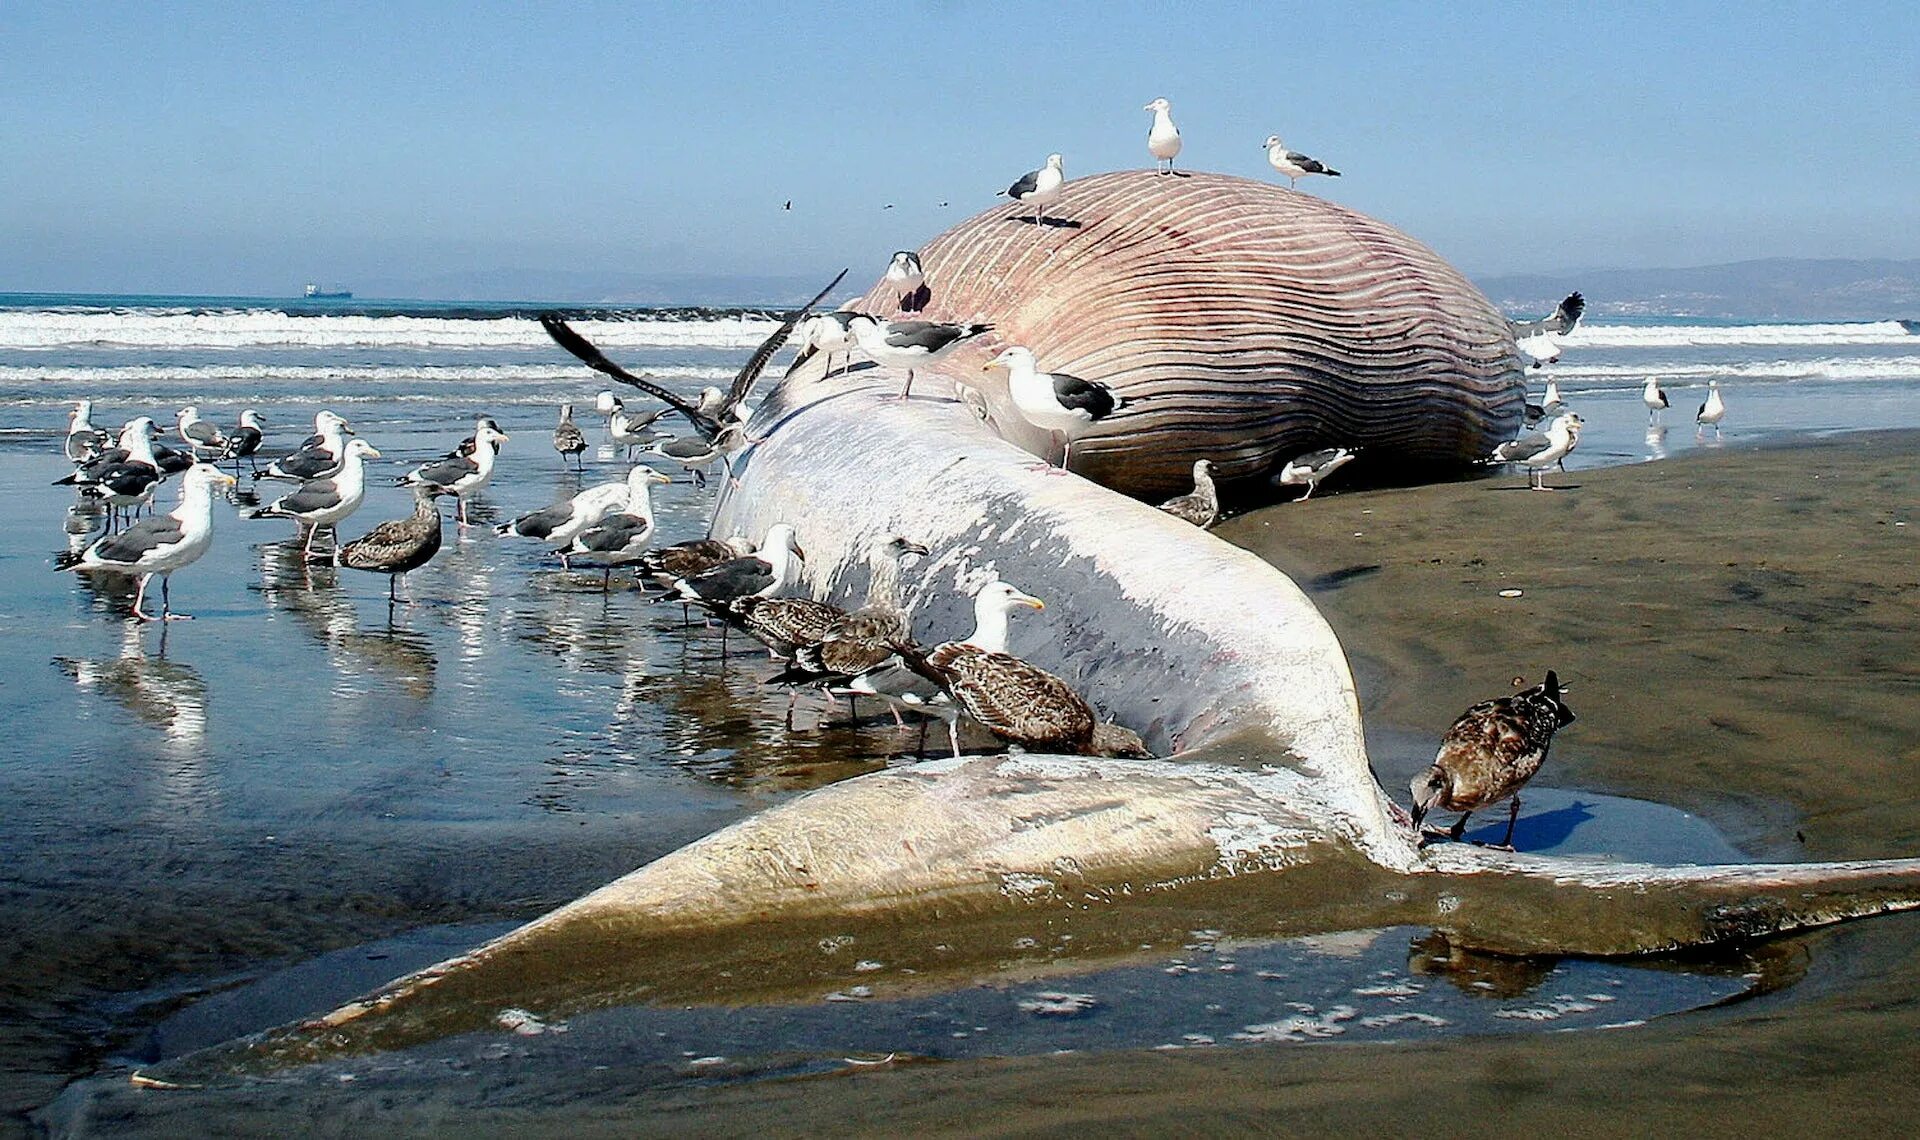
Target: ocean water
x=302 y=770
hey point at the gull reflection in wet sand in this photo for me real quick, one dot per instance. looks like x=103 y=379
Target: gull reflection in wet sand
x=363 y=658
x=162 y=694
x=1657 y=441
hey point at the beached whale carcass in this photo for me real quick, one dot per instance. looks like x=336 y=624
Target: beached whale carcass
x=1253 y=323
x=1267 y=821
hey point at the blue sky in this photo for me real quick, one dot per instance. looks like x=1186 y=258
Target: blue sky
x=215 y=148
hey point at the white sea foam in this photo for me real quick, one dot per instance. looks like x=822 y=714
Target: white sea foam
x=1818 y=368
x=237 y=372
x=30 y=329
x=1655 y=336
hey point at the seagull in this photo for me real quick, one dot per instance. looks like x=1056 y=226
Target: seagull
x=620 y=539
x=1711 y=412
x=1292 y=163
x=1163 y=138
x=893 y=681
x=1202 y=506
x=559 y=524
x=324 y=502
x=1040 y=187
x=1490 y=753
x=245 y=440
x=708 y=425
x=1019 y=702
x=198 y=434
x=1054 y=401
x=84 y=441
x=1313 y=468
x=1539 y=341
x=159 y=545
x=1654 y=399
x=769 y=573
x=908 y=344
x=667 y=565
x=852 y=643
x=318 y=456
x=828 y=333
x=462 y=474
x=691 y=452
x=568 y=439
x=906 y=279
x=126 y=483
x=1538 y=451
x=400 y=546
x=624 y=431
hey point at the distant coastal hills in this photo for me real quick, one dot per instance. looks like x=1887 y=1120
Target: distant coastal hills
x=1770 y=289
x=1776 y=288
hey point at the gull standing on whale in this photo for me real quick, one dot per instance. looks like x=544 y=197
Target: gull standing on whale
x=908 y=344
x=908 y=280
x=1040 y=187
x=1163 y=138
x=1292 y=163
x=1054 y=402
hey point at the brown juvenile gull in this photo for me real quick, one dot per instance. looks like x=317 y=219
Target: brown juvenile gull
x=856 y=642
x=568 y=439
x=1019 y=702
x=398 y=546
x=1490 y=752
x=1202 y=506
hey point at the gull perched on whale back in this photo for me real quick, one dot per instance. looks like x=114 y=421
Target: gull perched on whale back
x=1054 y=402
x=907 y=280
x=908 y=344
x=1292 y=163
x=1040 y=187
x=1163 y=138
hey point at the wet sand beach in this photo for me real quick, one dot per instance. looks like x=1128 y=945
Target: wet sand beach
x=1738 y=629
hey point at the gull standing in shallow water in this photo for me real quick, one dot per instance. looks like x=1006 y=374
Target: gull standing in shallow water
x=1490 y=753
x=1040 y=187
x=620 y=539
x=1292 y=163
x=199 y=434
x=1313 y=468
x=1711 y=412
x=318 y=456
x=558 y=525
x=159 y=545
x=896 y=683
x=1163 y=138
x=324 y=502
x=400 y=546
x=1054 y=402
x=463 y=475
x=1538 y=451
x=245 y=440
x=908 y=344
x=1654 y=399
x=84 y=441
x=568 y=439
